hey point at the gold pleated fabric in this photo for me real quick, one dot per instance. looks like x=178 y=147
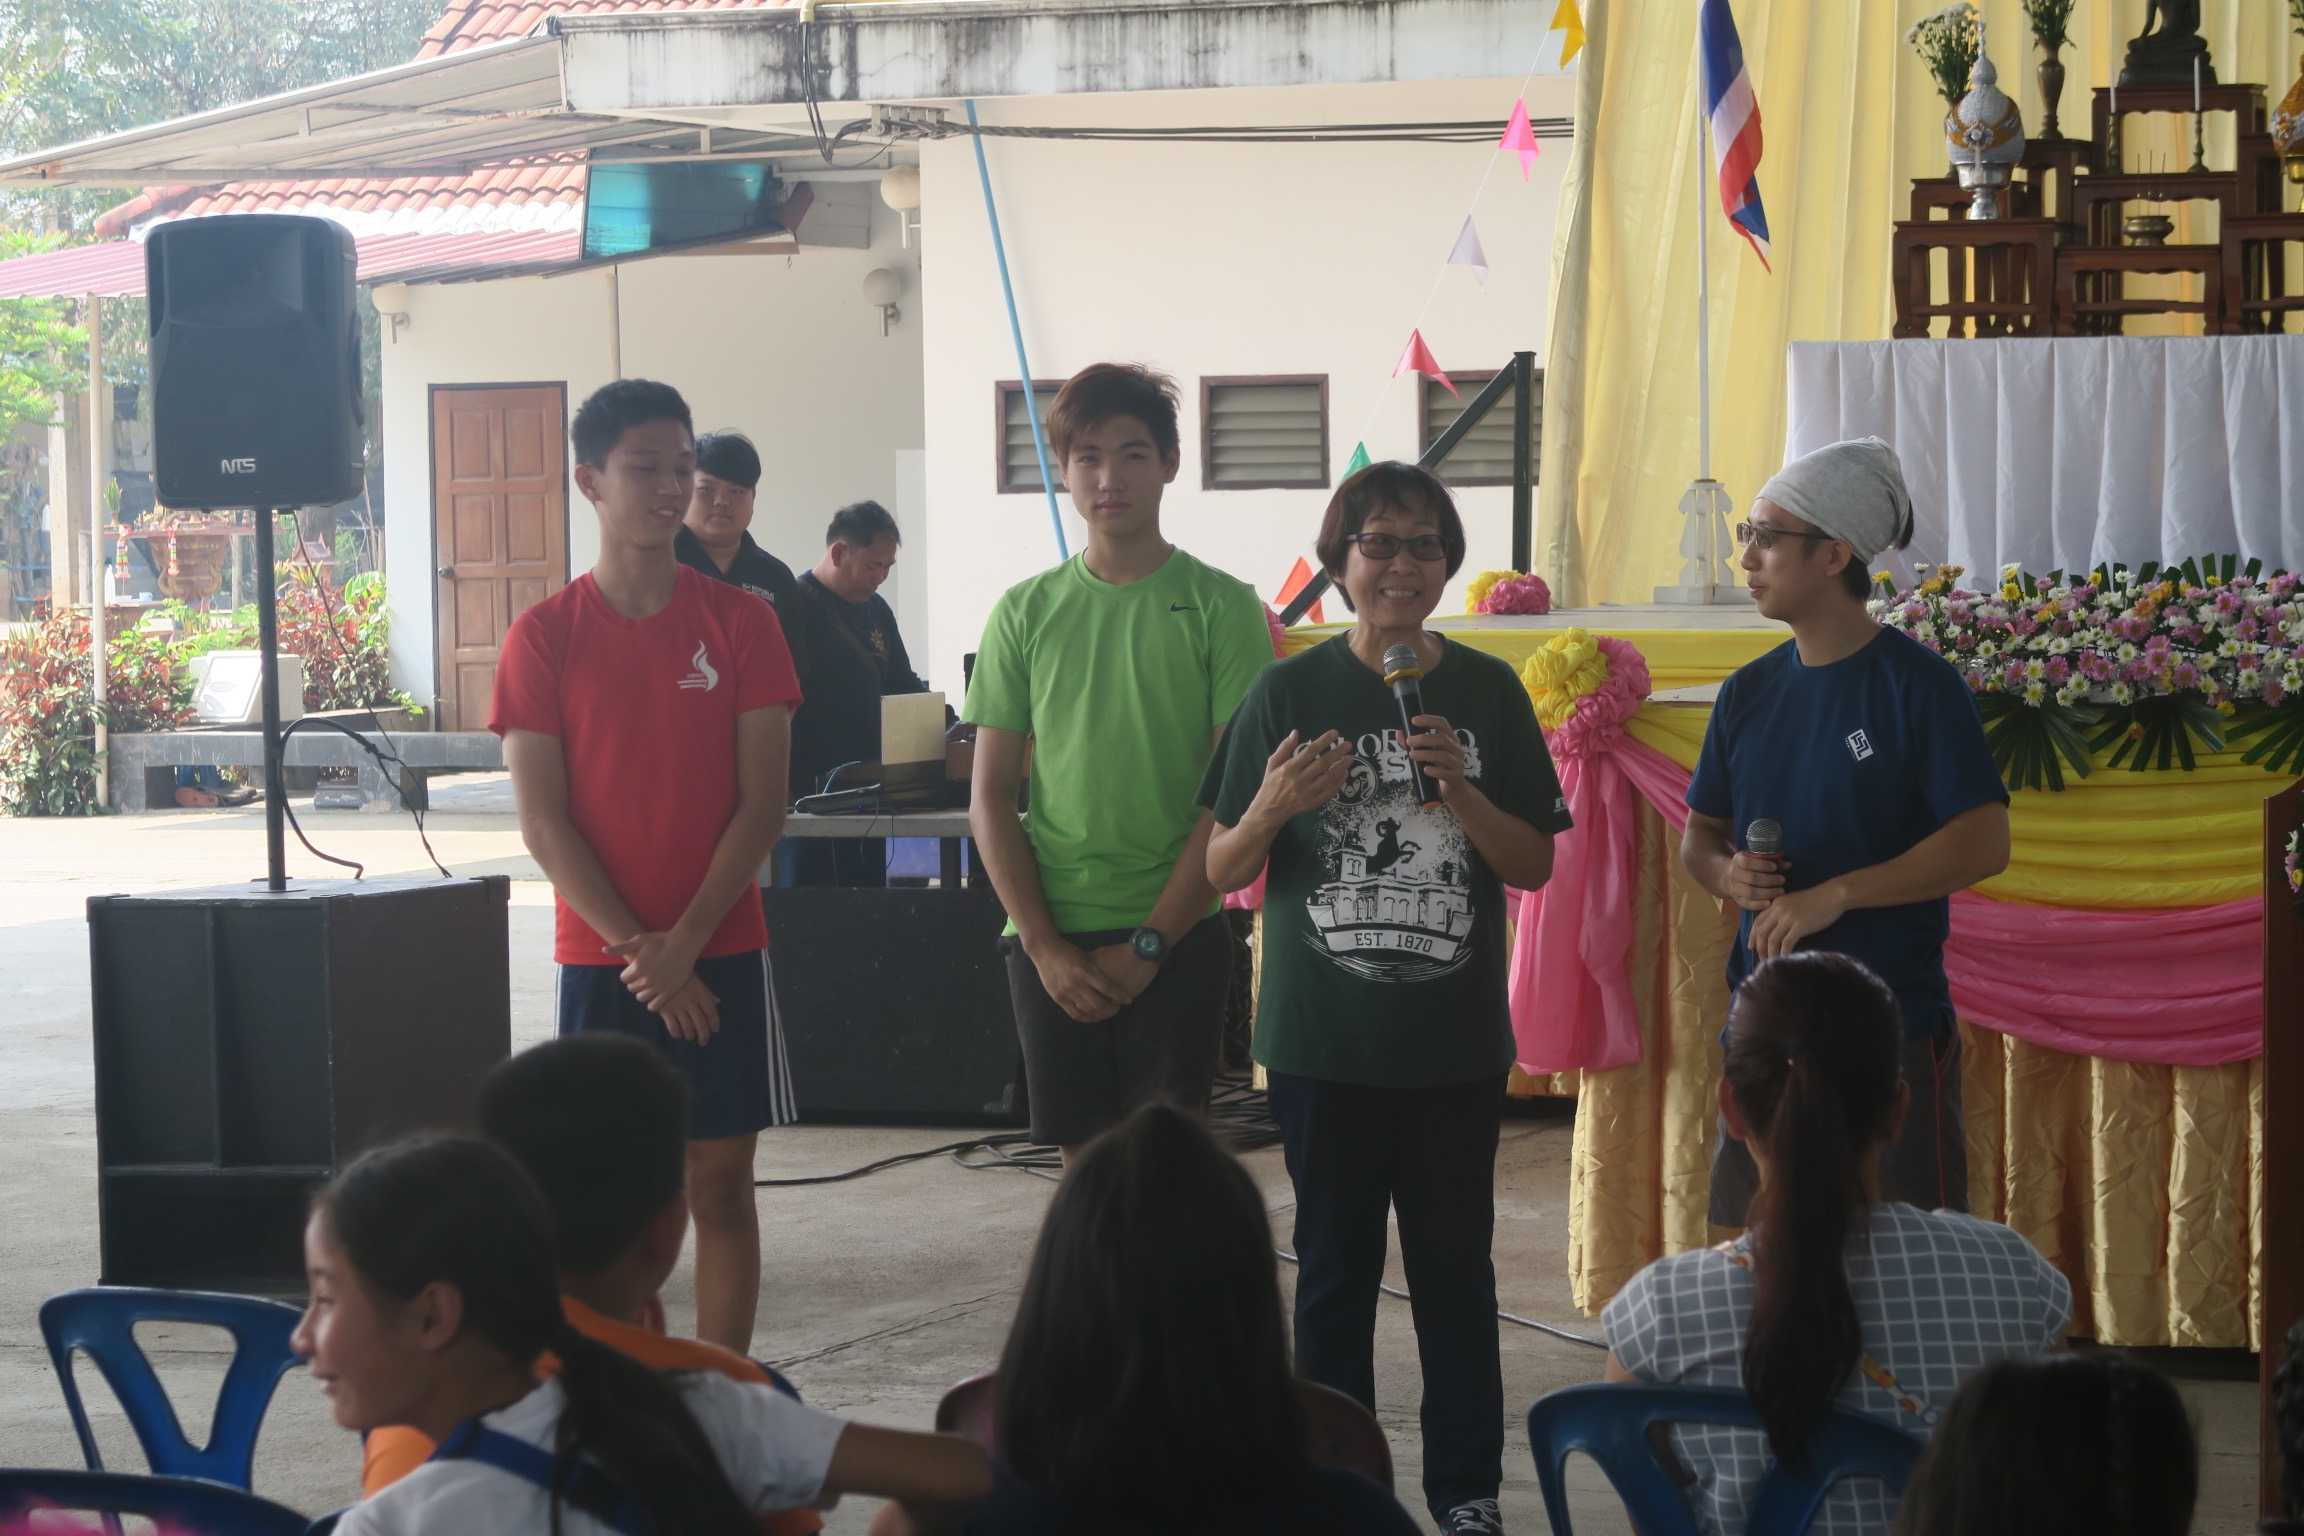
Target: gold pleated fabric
x=2143 y=1184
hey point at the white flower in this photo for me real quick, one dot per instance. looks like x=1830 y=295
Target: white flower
x=2035 y=670
x=2228 y=649
x=2127 y=652
x=2070 y=693
x=2292 y=681
x=2059 y=645
x=2123 y=694
x=1985 y=650
x=2034 y=693
x=2250 y=679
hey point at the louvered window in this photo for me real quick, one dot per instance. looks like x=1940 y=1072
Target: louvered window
x=1265 y=433
x=1484 y=457
x=1018 y=466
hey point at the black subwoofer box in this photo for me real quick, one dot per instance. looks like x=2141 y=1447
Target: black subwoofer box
x=250 y=1044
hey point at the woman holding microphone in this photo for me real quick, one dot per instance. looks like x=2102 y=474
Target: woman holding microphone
x=1382 y=1021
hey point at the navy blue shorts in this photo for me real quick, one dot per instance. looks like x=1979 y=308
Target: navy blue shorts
x=739 y=1081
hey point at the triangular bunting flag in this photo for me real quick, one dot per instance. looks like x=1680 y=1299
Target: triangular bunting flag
x=1300 y=577
x=1569 y=23
x=1416 y=357
x=1520 y=138
x=1468 y=253
x=1359 y=460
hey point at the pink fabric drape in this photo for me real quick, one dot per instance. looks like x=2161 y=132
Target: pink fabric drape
x=2167 y=988
x=1571 y=991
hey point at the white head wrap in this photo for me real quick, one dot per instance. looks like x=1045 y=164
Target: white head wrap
x=1852 y=490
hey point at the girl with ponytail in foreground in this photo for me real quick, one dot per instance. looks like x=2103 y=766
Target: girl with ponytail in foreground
x=1833 y=1298
x=435 y=1293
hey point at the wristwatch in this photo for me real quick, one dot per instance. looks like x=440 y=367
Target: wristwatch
x=1150 y=944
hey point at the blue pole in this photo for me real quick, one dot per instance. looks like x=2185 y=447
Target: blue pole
x=1016 y=331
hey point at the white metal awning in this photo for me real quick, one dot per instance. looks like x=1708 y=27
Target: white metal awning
x=483 y=106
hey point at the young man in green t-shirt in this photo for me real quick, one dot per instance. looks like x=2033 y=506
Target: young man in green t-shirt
x=1120 y=668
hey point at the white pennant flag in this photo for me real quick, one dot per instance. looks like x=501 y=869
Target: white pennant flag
x=1468 y=253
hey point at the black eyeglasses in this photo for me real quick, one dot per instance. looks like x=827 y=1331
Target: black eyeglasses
x=1763 y=538
x=1383 y=546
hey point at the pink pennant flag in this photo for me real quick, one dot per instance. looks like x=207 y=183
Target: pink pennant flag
x=1468 y=253
x=1417 y=358
x=1520 y=138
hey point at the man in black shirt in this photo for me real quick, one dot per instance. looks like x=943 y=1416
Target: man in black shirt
x=850 y=656
x=715 y=537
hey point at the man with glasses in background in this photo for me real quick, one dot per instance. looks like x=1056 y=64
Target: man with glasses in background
x=1868 y=750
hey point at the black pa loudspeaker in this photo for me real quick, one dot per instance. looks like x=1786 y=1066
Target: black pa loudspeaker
x=250 y=1044
x=255 y=362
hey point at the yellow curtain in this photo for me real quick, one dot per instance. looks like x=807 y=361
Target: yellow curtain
x=1850 y=118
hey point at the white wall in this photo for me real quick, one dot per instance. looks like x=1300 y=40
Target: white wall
x=1213 y=260
x=783 y=348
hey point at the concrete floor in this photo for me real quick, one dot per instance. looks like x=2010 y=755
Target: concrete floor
x=877 y=1294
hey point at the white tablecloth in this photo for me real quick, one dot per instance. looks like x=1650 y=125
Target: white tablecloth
x=2061 y=454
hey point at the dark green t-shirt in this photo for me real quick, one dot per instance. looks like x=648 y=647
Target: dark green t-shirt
x=1384 y=949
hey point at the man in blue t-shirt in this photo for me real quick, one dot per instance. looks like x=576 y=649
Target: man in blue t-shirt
x=1868 y=749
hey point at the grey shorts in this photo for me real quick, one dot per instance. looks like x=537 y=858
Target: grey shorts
x=1927 y=1166
x=1086 y=1078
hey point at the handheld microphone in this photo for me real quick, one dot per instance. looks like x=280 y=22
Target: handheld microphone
x=1404 y=672
x=1765 y=837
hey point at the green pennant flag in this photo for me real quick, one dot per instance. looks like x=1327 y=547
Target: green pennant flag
x=1358 y=461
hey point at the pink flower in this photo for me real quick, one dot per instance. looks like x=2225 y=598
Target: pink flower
x=2247 y=629
x=1965 y=642
x=2187 y=676
x=2059 y=669
x=1518 y=595
x=1915 y=612
x=2013 y=674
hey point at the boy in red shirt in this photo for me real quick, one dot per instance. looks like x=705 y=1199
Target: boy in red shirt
x=646 y=716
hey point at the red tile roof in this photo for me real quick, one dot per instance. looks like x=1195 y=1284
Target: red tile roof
x=467 y=22
x=538 y=194
x=115 y=268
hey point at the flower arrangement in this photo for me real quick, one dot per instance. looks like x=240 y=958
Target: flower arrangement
x=1947 y=43
x=1584 y=687
x=1507 y=592
x=2050 y=21
x=2146 y=666
x=2294 y=865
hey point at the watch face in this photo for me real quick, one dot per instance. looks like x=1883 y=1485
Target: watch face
x=1148 y=945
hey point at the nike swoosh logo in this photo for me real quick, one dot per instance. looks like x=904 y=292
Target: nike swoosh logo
x=1183 y=607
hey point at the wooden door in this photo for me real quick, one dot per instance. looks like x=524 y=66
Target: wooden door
x=499 y=528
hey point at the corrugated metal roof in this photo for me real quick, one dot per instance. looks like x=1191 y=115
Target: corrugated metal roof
x=535 y=194
x=115 y=269
x=449 y=116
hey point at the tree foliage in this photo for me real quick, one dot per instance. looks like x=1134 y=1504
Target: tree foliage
x=38 y=344
x=78 y=69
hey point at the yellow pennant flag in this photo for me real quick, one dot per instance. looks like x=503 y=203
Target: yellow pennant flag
x=1569 y=23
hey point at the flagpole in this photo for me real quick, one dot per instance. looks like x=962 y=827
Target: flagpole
x=1704 y=507
x=1703 y=286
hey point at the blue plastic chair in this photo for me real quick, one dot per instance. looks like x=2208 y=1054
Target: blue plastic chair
x=102 y=1321
x=1610 y=1422
x=179 y=1504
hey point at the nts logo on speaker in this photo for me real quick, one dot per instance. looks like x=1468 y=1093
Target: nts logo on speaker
x=236 y=466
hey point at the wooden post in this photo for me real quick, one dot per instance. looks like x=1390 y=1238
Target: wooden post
x=2282 y=1280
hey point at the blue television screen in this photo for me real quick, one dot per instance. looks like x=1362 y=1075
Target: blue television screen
x=633 y=208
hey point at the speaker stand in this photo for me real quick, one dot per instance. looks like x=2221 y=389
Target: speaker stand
x=268 y=690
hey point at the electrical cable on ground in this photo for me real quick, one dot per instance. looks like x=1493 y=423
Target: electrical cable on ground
x=1237 y=1113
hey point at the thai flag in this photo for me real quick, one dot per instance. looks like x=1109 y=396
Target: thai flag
x=1735 y=114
